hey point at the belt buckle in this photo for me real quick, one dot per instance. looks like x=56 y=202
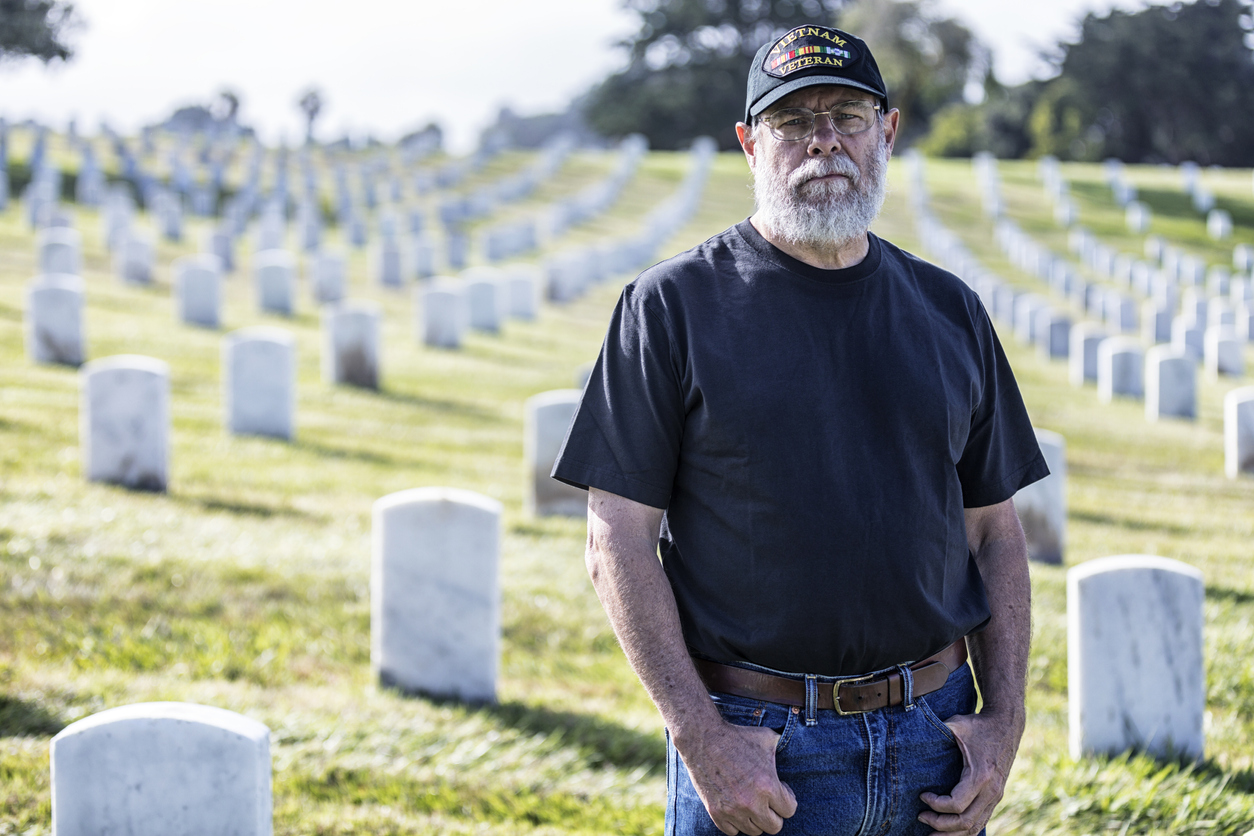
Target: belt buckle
x=836 y=694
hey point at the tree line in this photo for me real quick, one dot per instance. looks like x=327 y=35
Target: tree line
x=1163 y=84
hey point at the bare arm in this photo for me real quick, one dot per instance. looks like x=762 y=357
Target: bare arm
x=732 y=768
x=999 y=656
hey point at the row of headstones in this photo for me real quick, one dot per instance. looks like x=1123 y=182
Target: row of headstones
x=1117 y=364
x=1136 y=677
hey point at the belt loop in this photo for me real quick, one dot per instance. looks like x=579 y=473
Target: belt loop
x=907 y=687
x=812 y=700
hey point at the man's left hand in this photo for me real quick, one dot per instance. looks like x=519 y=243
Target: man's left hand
x=988 y=748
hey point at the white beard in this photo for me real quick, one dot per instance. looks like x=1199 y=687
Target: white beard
x=819 y=215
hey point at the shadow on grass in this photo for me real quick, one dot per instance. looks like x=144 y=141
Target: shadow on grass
x=1235 y=596
x=601 y=741
x=14 y=314
x=1129 y=523
x=235 y=506
x=367 y=456
x=22 y=718
x=442 y=406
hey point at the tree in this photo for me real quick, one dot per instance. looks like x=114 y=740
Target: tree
x=36 y=29
x=226 y=107
x=927 y=61
x=687 y=67
x=1165 y=84
x=311 y=105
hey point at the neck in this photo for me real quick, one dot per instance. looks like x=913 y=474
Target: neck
x=833 y=256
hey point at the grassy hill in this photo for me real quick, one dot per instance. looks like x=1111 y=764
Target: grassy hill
x=246 y=586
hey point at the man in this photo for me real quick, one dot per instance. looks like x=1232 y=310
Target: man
x=827 y=436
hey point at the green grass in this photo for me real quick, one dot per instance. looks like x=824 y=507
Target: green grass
x=246 y=586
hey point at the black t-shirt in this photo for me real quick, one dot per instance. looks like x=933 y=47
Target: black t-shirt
x=813 y=436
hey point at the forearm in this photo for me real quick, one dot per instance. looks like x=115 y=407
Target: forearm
x=999 y=653
x=637 y=597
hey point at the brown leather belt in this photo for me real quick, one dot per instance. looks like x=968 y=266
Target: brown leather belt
x=852 y=695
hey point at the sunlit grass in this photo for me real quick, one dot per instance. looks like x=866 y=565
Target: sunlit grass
x=246 y=586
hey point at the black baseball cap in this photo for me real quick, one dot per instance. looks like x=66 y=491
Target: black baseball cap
x=807 y=56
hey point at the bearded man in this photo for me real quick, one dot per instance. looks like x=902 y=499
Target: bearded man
x=823 y=435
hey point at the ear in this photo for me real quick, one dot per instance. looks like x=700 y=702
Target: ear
x=891 y=121
x=747 y=143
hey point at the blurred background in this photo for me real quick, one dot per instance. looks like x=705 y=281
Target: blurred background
x=969 y=75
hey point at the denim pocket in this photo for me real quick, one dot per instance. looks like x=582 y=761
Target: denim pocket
x=922 y=704
x=782 y=720
x=739 y=711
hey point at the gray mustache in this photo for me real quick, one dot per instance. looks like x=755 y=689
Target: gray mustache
x=822 y=167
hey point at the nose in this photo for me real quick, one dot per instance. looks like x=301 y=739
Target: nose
x=825 y=139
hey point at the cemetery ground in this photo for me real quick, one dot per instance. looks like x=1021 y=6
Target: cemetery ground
x=246 y=586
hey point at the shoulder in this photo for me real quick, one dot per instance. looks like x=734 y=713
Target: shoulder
x=942 y=289
x=690 y=273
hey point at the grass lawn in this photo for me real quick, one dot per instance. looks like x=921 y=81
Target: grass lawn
x=245 y=586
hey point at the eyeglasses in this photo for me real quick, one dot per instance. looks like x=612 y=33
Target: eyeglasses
x=793 y=124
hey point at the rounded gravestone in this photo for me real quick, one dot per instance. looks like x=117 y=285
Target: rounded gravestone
x=134 y=259
x=350 y=344
x=442 y=314
x=1135 y=674
x=1053 y=334
x=220 y=243
x=198 y=289
x=1155 y=322
x=523 y=292
x=388 y=268
x=1042 y=506
x=1239 y=432
x=162 y=768
x=54 y=320
x=547 y=418
x=1120 y=365
x=274 y=272
x=1223 y=354
x=60 y=251
x=434 y=592
x=424 y=252
x=259 y=382
x=485 y=300
x=124 y=421
x=1082 y=354
x=328 y=275
x=1170 y=384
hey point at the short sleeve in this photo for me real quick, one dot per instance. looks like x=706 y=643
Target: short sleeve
x=626 y=434
x=1001 y=455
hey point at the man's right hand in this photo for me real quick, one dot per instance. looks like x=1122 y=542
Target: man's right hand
x=733 y=771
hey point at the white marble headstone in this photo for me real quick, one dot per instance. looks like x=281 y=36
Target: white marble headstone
x=1155 y=322
x=1136 y=679
x=198 y=289
x=350 y=343
x=134 y=258
x=442 y=314
x=54 y=320
x=1170 y=384
x=485 y=300
x=1042 y=506
x=162 y=768
x=328 y=275
x=259 y=382
x=274 y=272
x=1119 y=368
x=434 y=593
x=60 y=251
x=547 y=418
x=124 y=421
x=1239 y=432
x=523 y=285
x=388 y=267
x=1082 y=355
x=1223 y=354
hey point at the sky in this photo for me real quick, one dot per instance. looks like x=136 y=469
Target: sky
x=385 y=67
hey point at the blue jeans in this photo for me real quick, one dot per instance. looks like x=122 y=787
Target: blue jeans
x=856 y=775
